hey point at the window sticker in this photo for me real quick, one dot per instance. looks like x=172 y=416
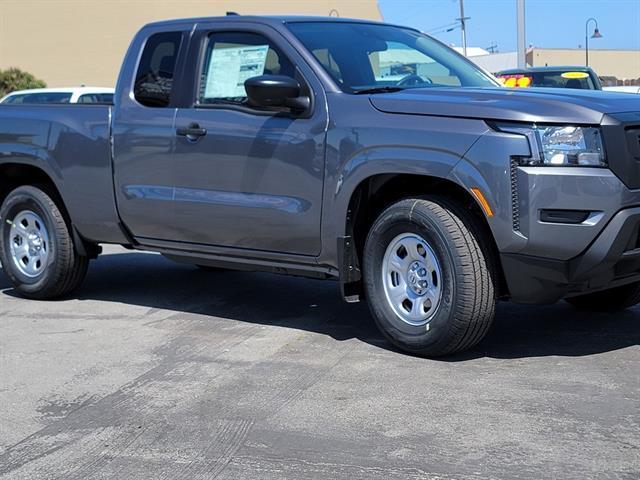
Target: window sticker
x=574 y=75
x=230 y=67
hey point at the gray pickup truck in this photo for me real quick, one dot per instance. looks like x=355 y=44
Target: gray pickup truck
x=340 y=149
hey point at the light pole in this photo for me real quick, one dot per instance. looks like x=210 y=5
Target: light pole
x=463 y=26
x=596 y=34
x=522 y=49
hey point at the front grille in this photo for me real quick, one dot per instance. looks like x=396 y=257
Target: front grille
x=621 y=134
x=633 y=141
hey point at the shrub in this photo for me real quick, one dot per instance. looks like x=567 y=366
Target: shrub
x=14 y=79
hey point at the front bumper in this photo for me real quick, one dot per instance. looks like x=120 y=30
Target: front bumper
x=613 y=259
x=546 y=254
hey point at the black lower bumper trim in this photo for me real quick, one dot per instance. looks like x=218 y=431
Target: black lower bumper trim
x=607 y=263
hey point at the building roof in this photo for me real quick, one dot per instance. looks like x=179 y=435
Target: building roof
x=472 y=51
x=496 y=62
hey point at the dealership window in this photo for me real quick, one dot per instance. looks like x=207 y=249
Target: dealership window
x=233 y=57
x=154 y=79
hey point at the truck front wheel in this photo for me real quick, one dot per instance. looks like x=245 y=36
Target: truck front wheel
x=36 y=247
x=612 y=300
x=427 y=280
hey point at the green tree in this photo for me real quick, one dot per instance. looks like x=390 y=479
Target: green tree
x=14 y=79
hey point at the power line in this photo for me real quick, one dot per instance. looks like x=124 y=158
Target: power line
x=443 y=27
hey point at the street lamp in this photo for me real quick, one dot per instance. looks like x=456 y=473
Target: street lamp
x=596 y=34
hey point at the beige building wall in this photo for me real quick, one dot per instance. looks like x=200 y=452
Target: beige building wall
x=623 y=64
x=73 y=42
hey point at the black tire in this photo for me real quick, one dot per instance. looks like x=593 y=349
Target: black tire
x=468 y=300
x=65 y=269
x=612 y=300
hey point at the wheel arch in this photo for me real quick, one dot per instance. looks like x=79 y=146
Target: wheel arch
x=375 y=193
x=17 y=174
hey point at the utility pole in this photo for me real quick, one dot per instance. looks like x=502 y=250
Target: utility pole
x=522 y=52
x=463 y=27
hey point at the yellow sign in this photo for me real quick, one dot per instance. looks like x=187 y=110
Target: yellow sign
x=575 y=75
x=515 y=81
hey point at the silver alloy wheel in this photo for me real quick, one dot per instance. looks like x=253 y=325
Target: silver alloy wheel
x=412 y=279
x=29 y=243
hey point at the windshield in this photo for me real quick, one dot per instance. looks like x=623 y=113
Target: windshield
x=549 y=79
x=362 y=57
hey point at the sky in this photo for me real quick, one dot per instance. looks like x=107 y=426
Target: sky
x=549 y=23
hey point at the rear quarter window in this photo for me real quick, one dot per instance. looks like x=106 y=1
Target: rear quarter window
x=156 y=71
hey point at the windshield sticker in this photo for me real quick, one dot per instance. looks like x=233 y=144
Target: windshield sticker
x=230 y=67
x=514 y=81
x=575 y=75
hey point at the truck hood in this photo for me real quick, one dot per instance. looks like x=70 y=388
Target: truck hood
x=548 y=105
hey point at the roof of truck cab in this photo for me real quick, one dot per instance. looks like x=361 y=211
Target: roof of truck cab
x=82 y=89
x=266 y=19
x=553 y=68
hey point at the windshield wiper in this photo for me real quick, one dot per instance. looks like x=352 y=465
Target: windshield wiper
x=387 y=89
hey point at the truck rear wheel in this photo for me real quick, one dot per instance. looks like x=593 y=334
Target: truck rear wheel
x=612 y=300
x=427 y=281
x=36 y=247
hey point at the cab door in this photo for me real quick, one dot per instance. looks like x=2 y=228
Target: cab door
x=246 y=177
x=144 y=133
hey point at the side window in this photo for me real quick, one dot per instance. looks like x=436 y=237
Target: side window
x=101 y=98
x=15 y=98
x=230 y=59
x=156 y=70
x=47 y=97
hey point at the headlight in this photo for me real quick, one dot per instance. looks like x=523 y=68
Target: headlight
x=561 y=145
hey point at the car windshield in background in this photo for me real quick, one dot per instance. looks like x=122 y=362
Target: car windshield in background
x=549 y=79
x=44 y=97
x=371 y=58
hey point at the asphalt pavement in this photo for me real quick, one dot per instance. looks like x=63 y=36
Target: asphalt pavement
x=160 y=370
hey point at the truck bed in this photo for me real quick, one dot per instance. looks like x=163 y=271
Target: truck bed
x=71 y=144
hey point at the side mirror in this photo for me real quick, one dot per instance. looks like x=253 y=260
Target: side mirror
x=275 y=91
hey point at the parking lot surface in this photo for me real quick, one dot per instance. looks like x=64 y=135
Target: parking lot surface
x=160 y=370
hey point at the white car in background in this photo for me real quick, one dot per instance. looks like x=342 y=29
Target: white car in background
x=100 y=95
x=623 y=89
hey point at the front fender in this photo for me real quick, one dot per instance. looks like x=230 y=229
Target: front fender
x=425 y=146
x=487 y=165
x=363 y=142
x=389 y=160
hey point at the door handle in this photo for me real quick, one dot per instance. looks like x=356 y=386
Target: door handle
x=193 y=132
